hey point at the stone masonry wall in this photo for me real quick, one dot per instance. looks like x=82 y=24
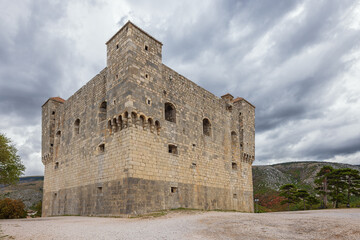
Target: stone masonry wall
x=128 y=158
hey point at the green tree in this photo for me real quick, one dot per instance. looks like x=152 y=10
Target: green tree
x=302 y=194
x=10 y=164
x=288 y=191
x=337 y=186
x=351 y=178
x=321 y=182
x=312 y=200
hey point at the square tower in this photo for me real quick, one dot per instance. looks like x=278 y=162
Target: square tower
x=140 y=137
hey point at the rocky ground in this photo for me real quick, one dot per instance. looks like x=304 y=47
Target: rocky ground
x=318 y=224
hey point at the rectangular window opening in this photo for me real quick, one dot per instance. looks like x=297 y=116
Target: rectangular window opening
x=102 y=148
x=173 y=149
x=173 y=189
x=235 y=195
x=146 y=48
x=234 y=166
x=56 y=165
x=99 y=189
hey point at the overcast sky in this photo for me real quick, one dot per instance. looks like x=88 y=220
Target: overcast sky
x=298 y=62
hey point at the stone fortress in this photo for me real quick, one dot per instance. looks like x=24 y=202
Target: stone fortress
x=140 y=137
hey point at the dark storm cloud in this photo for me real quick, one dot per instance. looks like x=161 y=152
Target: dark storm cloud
x=210 y=27
x=288 y=58
x=322 y=151
x=283 y=56
x=32 y=67
x=31 y=63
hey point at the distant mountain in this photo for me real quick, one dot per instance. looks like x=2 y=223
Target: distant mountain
x=271 y=177
x=28 y=189
x=31 y=179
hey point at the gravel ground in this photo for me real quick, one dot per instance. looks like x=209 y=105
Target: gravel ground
x=318 y=224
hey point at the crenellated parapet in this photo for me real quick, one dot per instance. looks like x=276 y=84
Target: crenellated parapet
x=133 y=119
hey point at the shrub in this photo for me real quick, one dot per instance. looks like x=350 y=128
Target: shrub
x=37 y=207
x=12 y=208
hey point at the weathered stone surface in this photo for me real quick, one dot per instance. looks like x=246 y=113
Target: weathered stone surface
x=140 y=137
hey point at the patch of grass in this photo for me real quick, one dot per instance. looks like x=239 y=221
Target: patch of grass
x=185 y=209
x=151 y=215
x=221 y=210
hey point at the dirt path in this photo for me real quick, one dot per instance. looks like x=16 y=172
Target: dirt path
x=320 y=224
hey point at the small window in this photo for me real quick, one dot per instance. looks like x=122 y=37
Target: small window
x=206 y=127
x=102 y=148
x=77 y=126
x=146 y=48
x=170 y=112
x=234 y=166
x=117 y=46
x=235 y=195
x=103 y=106
x=117 y=76
x=173 y=189
x=194 y=145
x=164 y=92
x=53 y=113
x=148 y=101
x=193 y=164
x=146 y=76
x=99 y=189
x=51 y=145
x=173 y=149
x=102 y=111
x=56 y=165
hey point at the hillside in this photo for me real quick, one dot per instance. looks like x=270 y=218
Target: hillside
x=271 y=177
x=28 y=189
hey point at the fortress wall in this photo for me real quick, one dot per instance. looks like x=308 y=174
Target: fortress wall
x=135 y=173
x=77 y=160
